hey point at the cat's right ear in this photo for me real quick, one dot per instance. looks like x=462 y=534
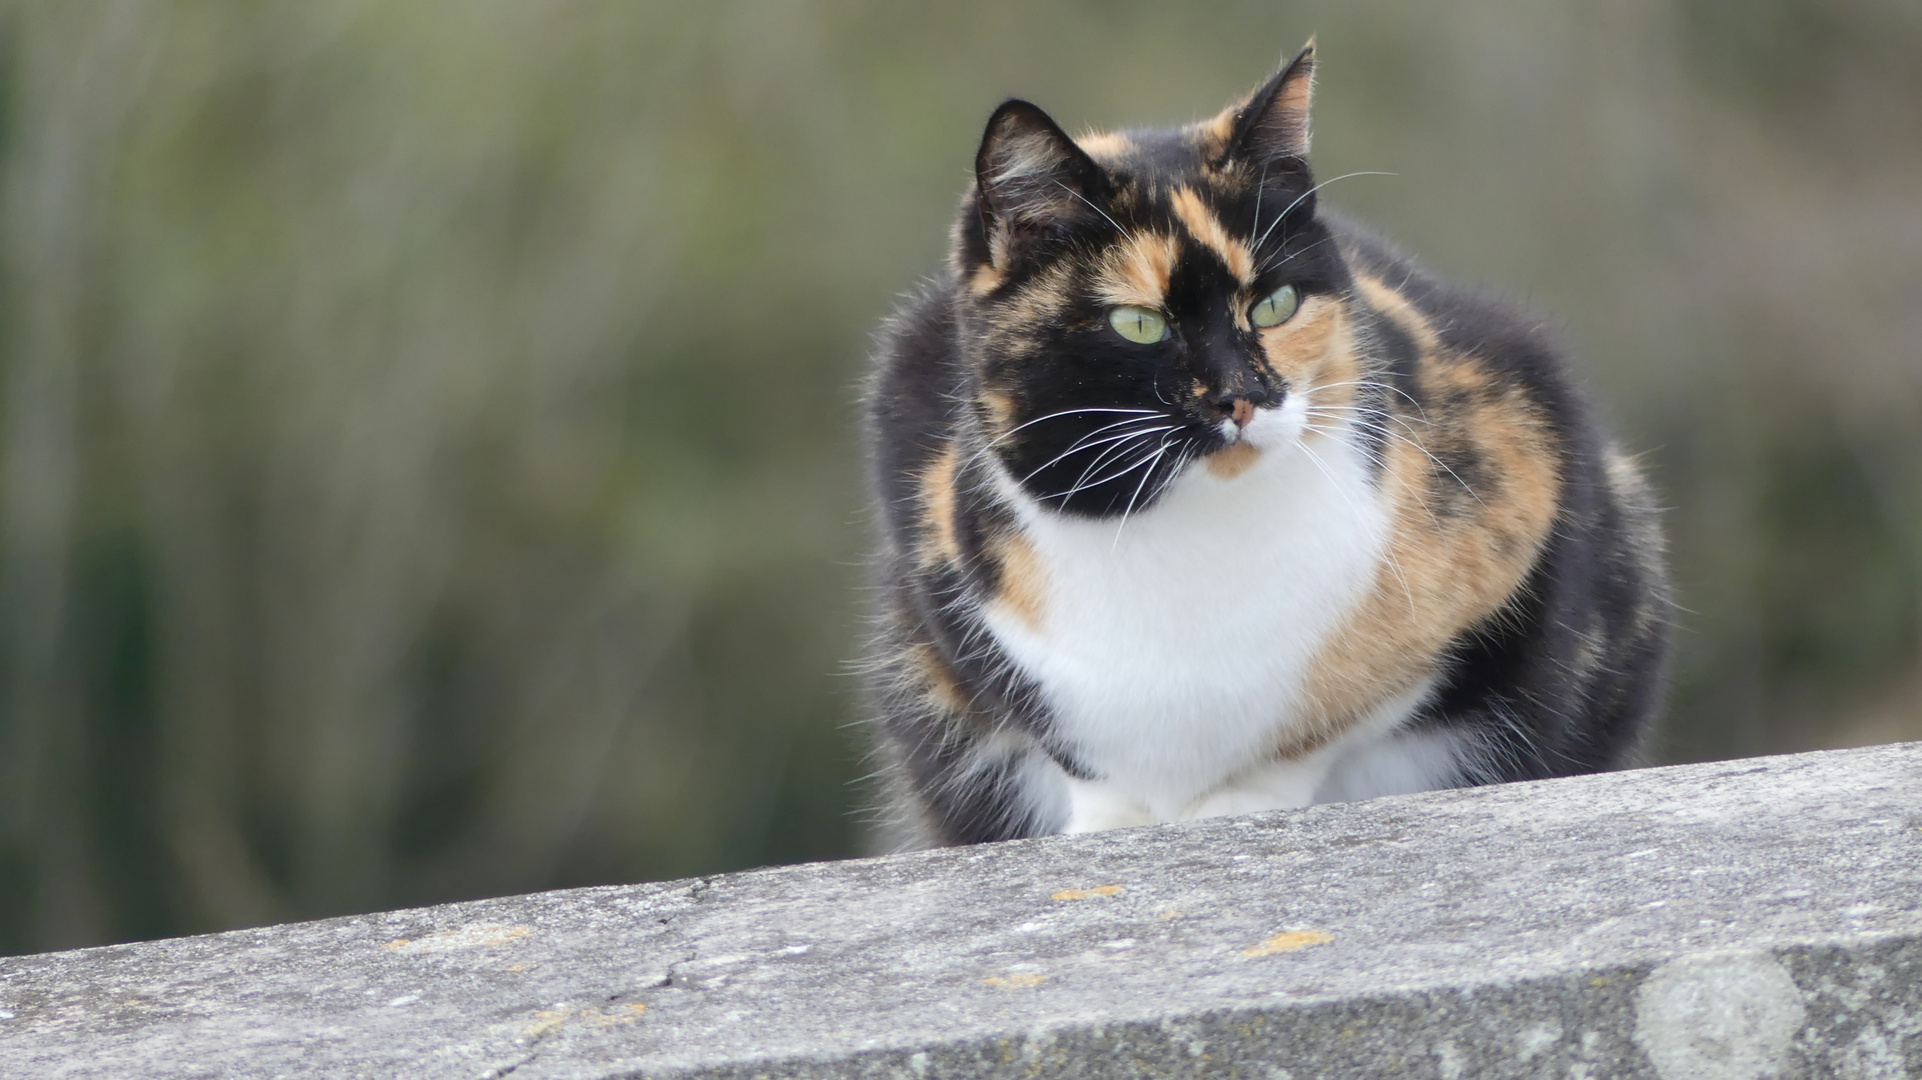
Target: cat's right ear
x=1272 y=124
x=1031 y=181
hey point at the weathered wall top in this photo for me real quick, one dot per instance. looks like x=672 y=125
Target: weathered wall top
x=1729 y=921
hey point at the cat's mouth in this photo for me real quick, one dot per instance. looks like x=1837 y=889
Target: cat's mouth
x=1248 y=430
x=1236 y=452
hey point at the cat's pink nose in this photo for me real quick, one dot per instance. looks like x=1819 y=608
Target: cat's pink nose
x=1242 y=412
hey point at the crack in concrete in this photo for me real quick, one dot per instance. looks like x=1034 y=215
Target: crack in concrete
x=695 y=892
x=533 y=1051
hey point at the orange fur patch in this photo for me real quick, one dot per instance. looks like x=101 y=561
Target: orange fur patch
x=984 y=280
x=1213 y=133
x=937 y=680
x=1040 y=300
x=937 y=504
x=1233 y=460
x=1399 y=311
x=1022 y=584
x=1454 y=557
x=998 y=407
x=1206 y=228
x=1137 y=270
x=1104 y=144
x=1307 y=348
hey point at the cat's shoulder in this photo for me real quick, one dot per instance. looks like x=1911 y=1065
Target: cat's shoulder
x=1463 y=318
x=916 y=382
x=1497 y=334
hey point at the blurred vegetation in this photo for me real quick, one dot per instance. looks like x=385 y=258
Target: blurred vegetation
x=427 y=455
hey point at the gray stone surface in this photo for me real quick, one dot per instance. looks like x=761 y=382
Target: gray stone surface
x=1725 y=922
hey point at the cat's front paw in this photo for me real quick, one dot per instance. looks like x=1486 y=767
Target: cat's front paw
x=1229 y=802
x=1279 y=786
x=1094 y=806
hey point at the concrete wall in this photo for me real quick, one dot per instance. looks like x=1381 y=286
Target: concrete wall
x=1731 y=921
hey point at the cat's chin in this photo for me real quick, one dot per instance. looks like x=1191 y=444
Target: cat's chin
x=1232 y=460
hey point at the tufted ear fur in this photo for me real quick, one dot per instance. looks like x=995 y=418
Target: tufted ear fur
x=1273 y=123
x=1033 y=181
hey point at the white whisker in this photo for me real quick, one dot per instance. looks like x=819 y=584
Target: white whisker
x=1070 y=412
x=1083 y=444
x=1145 y=477
x=1119 y=451
x=988 y=447
x=1283 y=216
x=1105 y=478
x=1096 y=209
x=1271 y=264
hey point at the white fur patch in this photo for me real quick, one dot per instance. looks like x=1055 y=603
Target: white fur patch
x=1397 y=765
x=1173 y=649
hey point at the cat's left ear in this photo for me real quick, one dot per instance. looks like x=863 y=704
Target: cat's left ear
x=1273 y=123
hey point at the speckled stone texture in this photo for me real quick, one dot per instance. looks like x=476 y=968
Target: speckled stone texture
x=1716 y=922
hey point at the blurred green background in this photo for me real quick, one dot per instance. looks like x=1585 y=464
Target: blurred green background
x=427 y=447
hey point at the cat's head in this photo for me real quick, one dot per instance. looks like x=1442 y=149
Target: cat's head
x=1137 y=303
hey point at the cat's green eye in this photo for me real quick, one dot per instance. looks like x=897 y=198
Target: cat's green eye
x=1140 y=325
x=1275 y=308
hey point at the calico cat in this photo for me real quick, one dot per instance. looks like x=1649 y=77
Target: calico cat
x=1197 y=499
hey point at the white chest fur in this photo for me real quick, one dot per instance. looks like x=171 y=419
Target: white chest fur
x=1173 y=649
